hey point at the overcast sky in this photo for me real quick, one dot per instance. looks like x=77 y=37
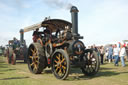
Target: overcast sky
x=100 y=21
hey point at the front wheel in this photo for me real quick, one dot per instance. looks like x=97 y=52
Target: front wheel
x=9 y=54
x=92 y=63
x=60 y=64
x=13 y=59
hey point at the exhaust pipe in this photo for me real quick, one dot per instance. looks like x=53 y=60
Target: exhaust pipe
x=74 y=14
x=21 y=36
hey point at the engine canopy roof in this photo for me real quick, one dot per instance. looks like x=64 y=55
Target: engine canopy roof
x=51 y=24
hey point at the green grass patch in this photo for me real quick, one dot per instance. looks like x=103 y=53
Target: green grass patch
x=20 y=75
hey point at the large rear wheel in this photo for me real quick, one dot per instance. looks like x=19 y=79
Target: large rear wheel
x=36 y=58
x=60 y=64
x=92 y=63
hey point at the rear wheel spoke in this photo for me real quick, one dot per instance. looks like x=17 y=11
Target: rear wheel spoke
x=32 y=51
x=30 y=56
x=32 y=64
x=55 y=61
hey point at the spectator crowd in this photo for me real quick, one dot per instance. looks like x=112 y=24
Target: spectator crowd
x=112 y=53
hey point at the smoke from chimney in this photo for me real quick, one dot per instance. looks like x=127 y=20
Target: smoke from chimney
x=64 y=4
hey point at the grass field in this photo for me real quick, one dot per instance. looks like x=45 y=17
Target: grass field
x=19 y=75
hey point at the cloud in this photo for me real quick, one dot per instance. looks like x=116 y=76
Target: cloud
x=11 y=23
x=6 y=36
x=100 y=22
x=106 y=22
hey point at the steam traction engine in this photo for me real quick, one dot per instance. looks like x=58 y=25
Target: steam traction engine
x=17 y=51
x=58 y=46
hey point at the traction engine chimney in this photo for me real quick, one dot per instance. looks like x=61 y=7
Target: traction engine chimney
x=74 y=14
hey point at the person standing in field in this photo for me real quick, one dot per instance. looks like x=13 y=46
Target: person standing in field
x=106 y=55
x=126 y=48
x=95 y=48
x=102 y=54
x=122 y=54
x=110 y=52
x=116 y=54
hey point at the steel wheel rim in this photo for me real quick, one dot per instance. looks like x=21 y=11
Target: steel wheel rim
x=59 y=65
x=33 y=58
